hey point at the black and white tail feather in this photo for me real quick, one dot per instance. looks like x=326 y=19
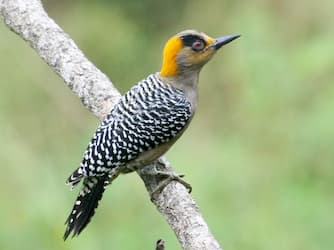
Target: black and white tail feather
x=86 y=202
x=75 y=178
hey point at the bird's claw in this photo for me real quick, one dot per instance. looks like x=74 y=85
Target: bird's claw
x=170 y=176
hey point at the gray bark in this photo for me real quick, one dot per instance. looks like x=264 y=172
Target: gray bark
x=28 y=19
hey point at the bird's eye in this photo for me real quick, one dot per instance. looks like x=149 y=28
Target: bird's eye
x=198 y=45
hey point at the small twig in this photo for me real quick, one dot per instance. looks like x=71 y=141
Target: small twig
x=160 y=245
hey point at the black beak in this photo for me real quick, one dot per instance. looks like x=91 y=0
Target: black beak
x=221 y=41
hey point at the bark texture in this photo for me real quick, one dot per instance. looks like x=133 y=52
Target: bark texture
x=28 y=19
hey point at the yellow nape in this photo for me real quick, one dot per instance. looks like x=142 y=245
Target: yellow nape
x=169 y=64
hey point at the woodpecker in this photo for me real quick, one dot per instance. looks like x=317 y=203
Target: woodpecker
x=145 y=122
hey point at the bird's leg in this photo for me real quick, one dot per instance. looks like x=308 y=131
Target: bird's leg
x=168 y=176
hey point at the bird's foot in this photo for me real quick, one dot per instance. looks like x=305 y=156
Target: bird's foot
x=170 y=176
x=167 y=177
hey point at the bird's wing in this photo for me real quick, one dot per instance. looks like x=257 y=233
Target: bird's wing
x=137 y=124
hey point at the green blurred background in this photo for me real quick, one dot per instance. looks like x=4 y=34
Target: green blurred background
x=259 y=153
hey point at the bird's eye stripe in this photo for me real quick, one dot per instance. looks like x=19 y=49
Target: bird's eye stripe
x=188 y=40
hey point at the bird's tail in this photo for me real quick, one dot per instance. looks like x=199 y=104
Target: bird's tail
x=85 y=204
x=75 y=178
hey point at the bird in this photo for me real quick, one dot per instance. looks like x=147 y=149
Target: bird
x=145 y=122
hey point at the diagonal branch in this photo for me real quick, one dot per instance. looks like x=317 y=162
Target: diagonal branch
x=28 y=19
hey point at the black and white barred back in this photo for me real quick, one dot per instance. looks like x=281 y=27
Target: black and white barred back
x=150 y=114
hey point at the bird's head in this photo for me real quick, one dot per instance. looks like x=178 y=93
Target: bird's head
x=189 y=50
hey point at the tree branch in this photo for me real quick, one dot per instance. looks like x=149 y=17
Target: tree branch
x=28 y=19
